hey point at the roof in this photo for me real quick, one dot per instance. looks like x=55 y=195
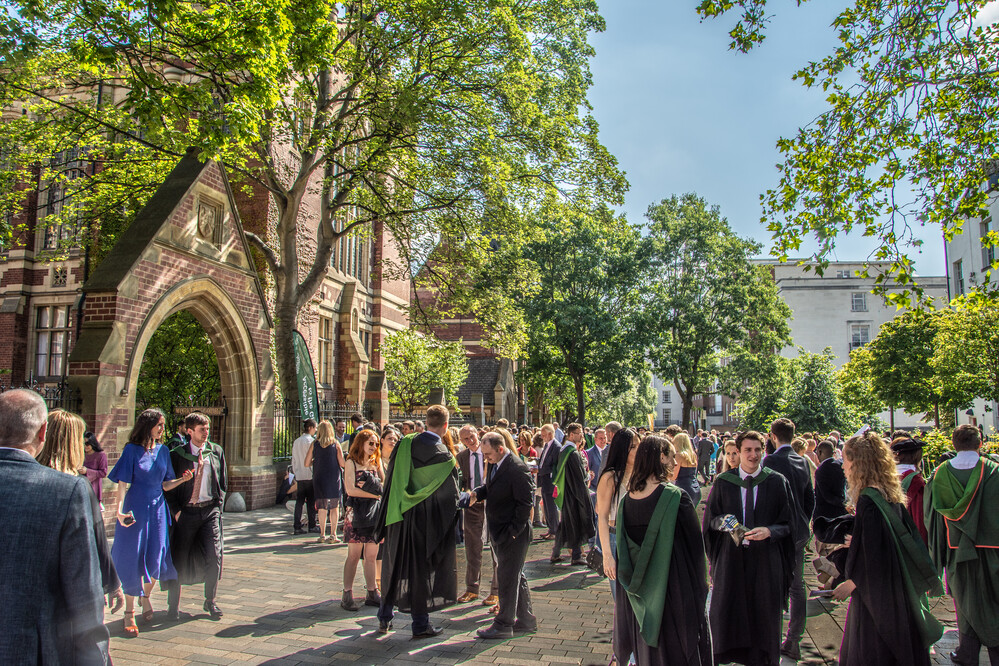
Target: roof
x=483 y=373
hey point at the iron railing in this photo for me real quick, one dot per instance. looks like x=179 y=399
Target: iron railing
x=288 y=421
x=58 y=395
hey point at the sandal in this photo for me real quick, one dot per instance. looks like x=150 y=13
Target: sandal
x=131 y=631
x=147 y=615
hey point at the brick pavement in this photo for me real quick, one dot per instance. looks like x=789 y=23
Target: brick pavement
x=280 y=595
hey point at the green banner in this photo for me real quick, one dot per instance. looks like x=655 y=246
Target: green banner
x=308 y=397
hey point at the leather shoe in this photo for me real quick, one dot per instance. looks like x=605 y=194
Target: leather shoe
x=299 y=530
x=956 y=658
x=429 y=632
x=173 y=615
x=384 y=627
x=578 y=562
x=468 y=596
x=491 y=600
x=556 y=559
x=494 y=632
x=314 y=530
x=212 y=610
x=519 y=628
x=792 y=652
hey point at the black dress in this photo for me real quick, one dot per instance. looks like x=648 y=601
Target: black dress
x=684 y=637
x=880 y=627
x=327 y=475
x=686 y=480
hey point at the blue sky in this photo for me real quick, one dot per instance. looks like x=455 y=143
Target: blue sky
x=683 y=113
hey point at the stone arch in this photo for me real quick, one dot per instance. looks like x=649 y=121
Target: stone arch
x=218 y=314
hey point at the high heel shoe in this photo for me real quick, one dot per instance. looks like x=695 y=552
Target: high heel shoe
x=131 y=631
x=147 y=615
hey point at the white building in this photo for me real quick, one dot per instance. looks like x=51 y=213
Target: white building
x=838 y=310
x=710 y=411
x=968 y=266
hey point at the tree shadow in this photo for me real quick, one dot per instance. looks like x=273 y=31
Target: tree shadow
x=576 y=580
x=287 y=620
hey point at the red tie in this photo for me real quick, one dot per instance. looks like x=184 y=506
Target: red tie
x=196 y=490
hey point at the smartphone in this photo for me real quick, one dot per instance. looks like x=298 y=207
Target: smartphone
x=128 y=520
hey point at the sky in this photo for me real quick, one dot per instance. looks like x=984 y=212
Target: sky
x=683 y=113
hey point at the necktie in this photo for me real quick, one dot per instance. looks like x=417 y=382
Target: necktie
x=749 y=519
x=476 y=473
x=196 y=488
x=492 y=473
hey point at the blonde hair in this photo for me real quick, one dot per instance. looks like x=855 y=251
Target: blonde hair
x=684 y=449
x=872 y=465
x=507 y=439
x=63 y=448
x=798 y=444
x=325 y=434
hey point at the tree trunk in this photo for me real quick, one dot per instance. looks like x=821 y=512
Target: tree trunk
x=284 y=350
x=891 y=417
x=936 y=415
x=577 y=382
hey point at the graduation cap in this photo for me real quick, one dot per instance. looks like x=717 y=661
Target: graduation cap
x=909 y=445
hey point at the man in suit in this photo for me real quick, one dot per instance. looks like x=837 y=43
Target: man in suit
x=547 y=459
x=472 y=466
x=594 y=458
x=794 y=468
x=509 y=491
x=51 y=601
x=196 y=506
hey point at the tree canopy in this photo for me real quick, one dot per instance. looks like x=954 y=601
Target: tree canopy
x=416 y=364
x=910 y=137
x=437 y=124
x=707 y=302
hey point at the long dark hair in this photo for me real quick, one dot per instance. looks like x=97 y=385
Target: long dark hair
x=91 y=439
x=649 y=462
x=142 y=431
x=616 y=456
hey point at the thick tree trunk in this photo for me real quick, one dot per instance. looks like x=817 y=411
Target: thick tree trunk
x=284 y=349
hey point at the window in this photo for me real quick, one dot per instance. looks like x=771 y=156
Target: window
x=844 y=274
x=64 y=225
x=667 y=415
x=52 y=325
x=325 y=350
x=958 y=277
x=858 y=301
x=667 y=396
x=860 y=335
x=988 y=250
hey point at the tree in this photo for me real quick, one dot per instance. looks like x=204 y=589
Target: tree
x=900 y=367
x=179 y=367
x=967 y=347
x=589 y=267
x=857 y=384
x=416 y=364
x=434 y=124
x=909 y=137
x=762 y=400
x=706 y=300
x=630 y=406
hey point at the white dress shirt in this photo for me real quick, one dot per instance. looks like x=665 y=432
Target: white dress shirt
x=299 y=449
x=203 y=493
x=965 y=460
x=475 y=460
x=902 y=468
x=745 y=475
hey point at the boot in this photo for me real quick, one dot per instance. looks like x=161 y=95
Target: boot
x=347 y=601
x=373 y=599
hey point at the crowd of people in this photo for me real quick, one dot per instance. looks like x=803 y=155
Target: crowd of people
x=622 y=501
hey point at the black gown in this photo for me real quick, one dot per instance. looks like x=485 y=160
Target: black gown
x=419 y=558
x=684 y=637
x=751 y=583
x=880 y=626
x=576 y=524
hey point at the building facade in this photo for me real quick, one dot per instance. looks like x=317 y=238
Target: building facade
x=710 y=411
x=838 y=310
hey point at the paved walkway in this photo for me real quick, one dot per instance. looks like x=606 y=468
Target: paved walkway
x=280 y=594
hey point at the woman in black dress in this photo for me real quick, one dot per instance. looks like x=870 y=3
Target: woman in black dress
x=661 y=618
x=326 y=459
x=888 y=569
x=685 y=473
x=364 y=492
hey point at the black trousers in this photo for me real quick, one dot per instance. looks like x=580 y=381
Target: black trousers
x=551 y=509
x=196 y=547
x=969 y=646
x=514 y=594
x=305 y=496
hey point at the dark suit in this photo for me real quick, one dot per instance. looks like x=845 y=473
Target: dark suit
x=51 y=601
x=546 y=482
x=196 y=536
x=509 y=492
x=795 y=469
x=830 y=490
x=473 y=524
x=594 y=458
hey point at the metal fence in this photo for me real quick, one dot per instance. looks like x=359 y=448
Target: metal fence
x=56 y=396
x=457 y=420
x=288 y=421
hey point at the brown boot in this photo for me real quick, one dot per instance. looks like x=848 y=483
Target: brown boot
x=347 y=601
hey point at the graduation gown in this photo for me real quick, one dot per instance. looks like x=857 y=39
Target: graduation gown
x=573 y=497
x=417 y=519
x=671 y=625
x=751 y=582
x=888 y=621
x=963 y=526
x=913 y=485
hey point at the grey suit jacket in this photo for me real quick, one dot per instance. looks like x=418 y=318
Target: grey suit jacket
x=51 y=601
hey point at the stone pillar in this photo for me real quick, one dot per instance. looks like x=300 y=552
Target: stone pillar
x=436 y=397
x=376 y=397
x=478 y=409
